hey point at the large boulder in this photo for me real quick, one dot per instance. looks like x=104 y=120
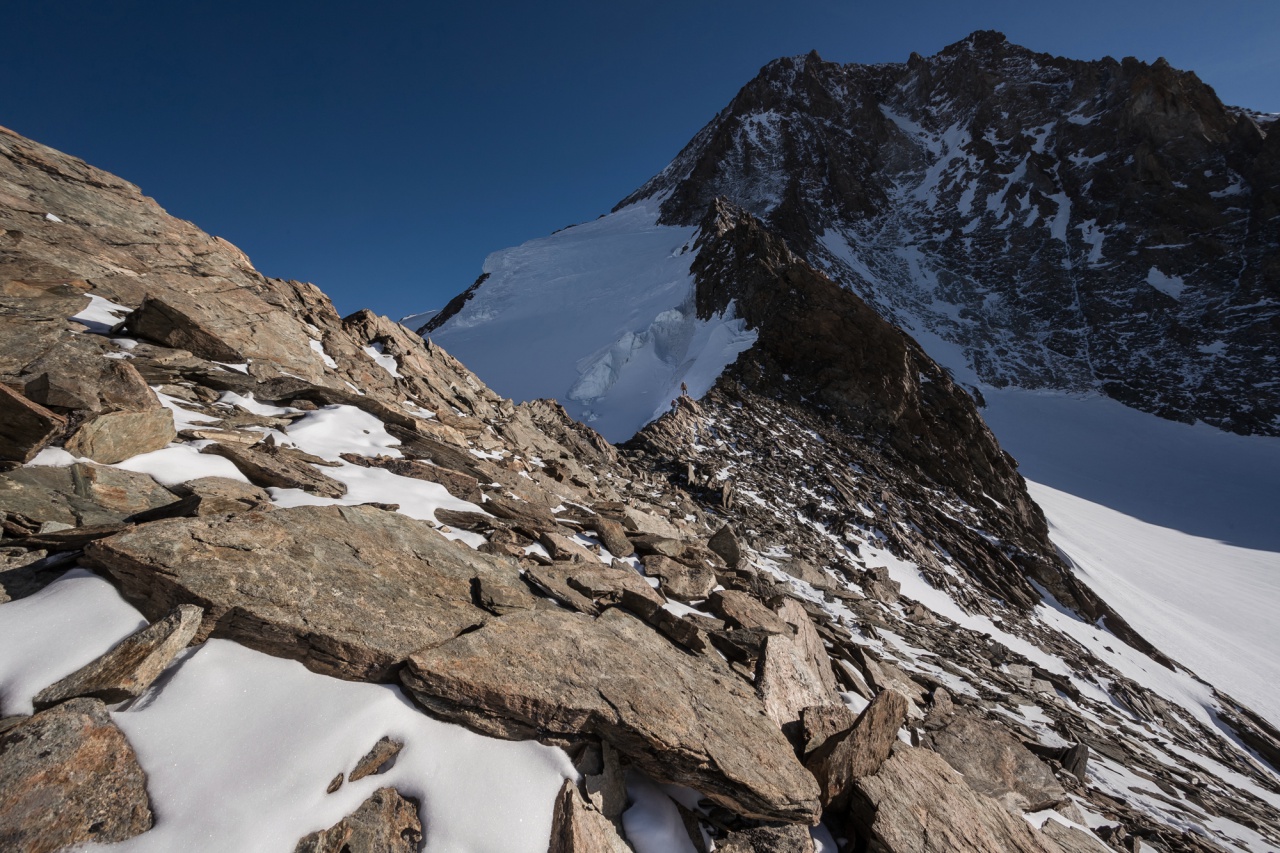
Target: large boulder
x=996 y=764
x=915 y=803
x=349 y=591
x=113 y=437
x=68 y=776
x=681 y=718
x=82 y=494
x=77 y=375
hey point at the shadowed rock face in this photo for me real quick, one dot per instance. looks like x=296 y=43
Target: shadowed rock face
x=824 y=355
x=820 y=342
x=1105 y=226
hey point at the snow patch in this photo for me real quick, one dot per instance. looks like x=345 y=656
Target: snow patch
x=239 y=747
x=617 y=290
x=101 y=315
x=386 y=361
x=1170 y=285
x=318 y=348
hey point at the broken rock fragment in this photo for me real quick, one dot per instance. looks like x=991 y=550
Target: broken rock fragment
x=25 y=427
x=745 y=611
x=614 y=536
x=686 y=583
x=844 y=758
x=725 y=543
x=376 y=758
x=129 y=668
x=577 y=827
x=767 y=839
x=277 y=470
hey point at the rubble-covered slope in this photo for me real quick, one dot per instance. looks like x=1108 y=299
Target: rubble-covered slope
x=319 y=587
x=1033 y=221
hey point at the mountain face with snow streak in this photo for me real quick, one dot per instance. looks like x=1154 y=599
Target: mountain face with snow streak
x=1033 y=221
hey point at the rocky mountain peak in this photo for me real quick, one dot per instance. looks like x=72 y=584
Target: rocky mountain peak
x=1092 y=226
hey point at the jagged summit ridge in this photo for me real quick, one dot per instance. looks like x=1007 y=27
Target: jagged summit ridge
x=1035 y=221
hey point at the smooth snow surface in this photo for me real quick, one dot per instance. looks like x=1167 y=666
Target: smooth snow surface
x=598 y=316
x=652 y=822
x=179 y=463
x=54 y=632
x=239 y=747
x=1175 y=526
x=318 y=348
x=386 y=361
x=331 y=431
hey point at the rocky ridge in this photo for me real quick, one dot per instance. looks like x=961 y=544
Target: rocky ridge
x=660 y=609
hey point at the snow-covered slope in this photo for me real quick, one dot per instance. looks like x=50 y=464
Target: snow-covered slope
x=1174 y=525
x=599 y=316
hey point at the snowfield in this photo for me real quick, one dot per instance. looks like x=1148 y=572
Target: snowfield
x=599 y=316
x=1176 y=526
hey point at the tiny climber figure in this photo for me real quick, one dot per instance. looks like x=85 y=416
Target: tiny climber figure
x=684 y=390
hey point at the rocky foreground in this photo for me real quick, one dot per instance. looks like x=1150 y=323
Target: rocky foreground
x=834 y=615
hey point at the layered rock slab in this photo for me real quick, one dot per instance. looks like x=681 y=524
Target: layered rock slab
x=348 y=591
x=996 y=764
x=681 y=718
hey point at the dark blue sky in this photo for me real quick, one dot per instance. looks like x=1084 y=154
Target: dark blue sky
x=381 y=150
